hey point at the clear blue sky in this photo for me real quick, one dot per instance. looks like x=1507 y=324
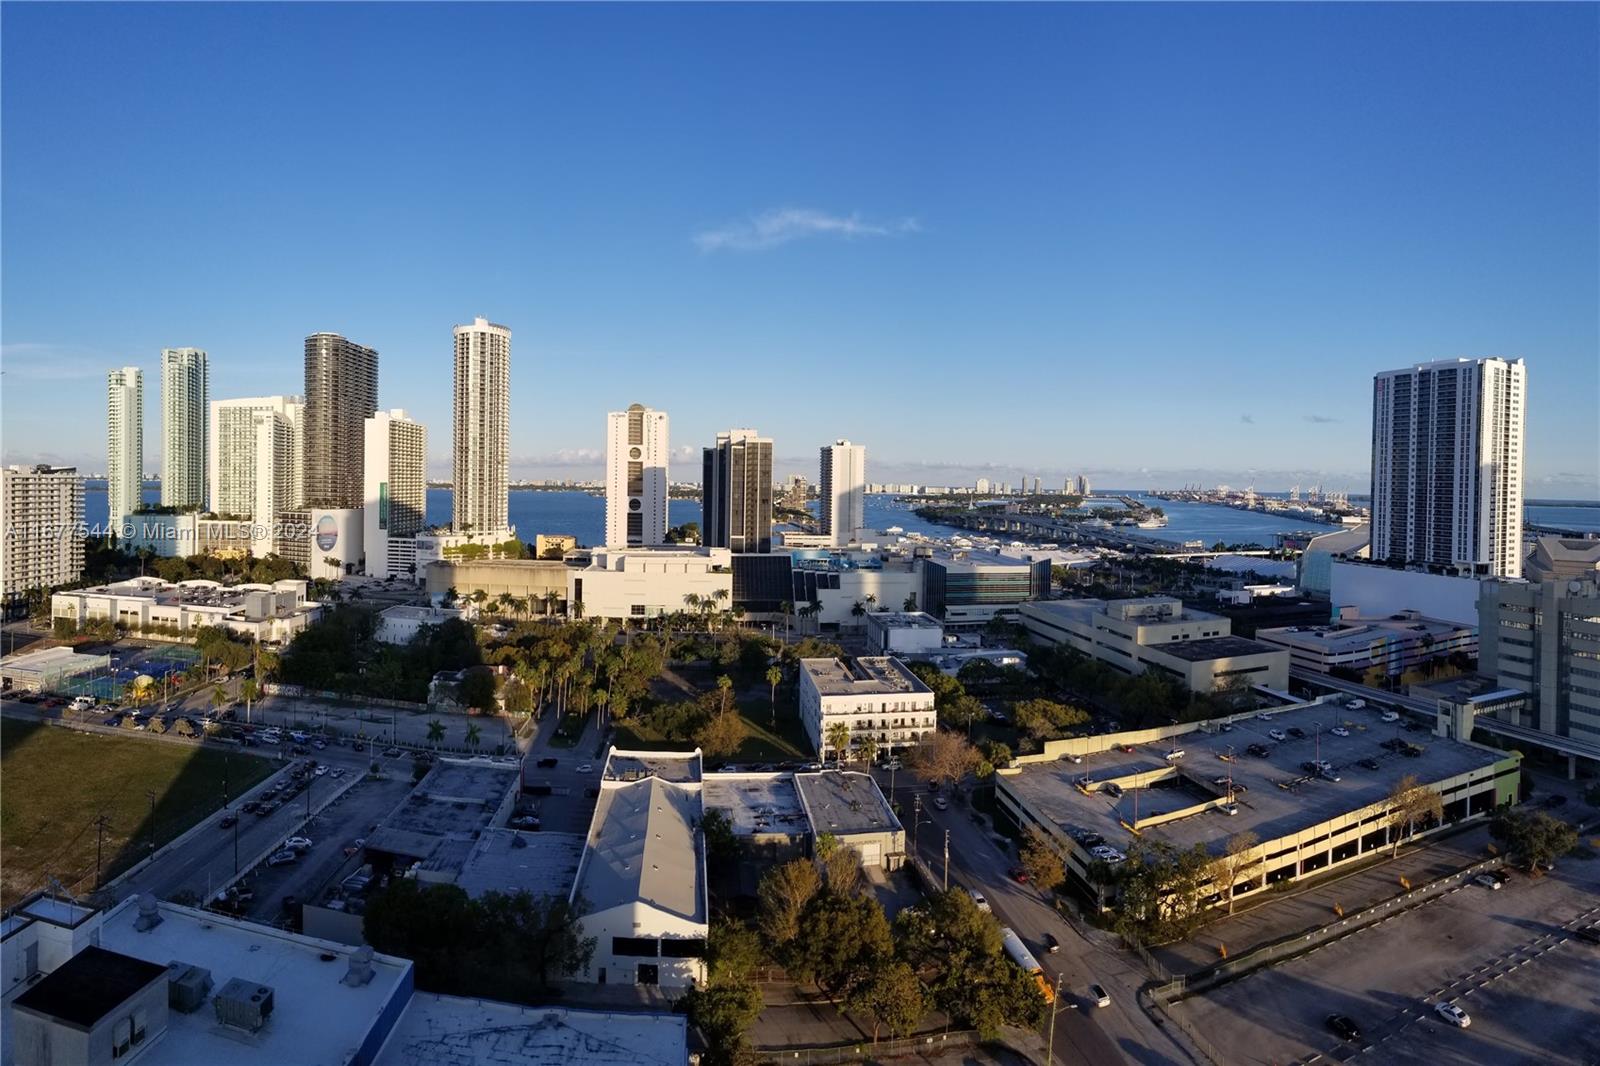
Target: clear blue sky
x=1159 y=244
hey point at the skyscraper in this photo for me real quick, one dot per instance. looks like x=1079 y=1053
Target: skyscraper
x=41 y=511
x=341 y=394
x=482 y=442
x=396 y=495
x=257 y=456
x=736 y=492
x=636 y=477
x=842 y=490
x=1447 y=442
x=124 y=444
x=1083 y=485
x=185 y=409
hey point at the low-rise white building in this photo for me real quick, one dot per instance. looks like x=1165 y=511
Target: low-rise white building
x=401 y=623
x=875 y=697
x=904 y=633
x=1393 y=643
x=271 y=613
x=645 y=582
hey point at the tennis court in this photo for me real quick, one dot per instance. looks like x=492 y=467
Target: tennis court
x=126 y=664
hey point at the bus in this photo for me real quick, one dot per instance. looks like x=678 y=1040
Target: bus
x=1024 y=958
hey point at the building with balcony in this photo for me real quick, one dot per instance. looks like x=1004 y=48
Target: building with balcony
x=876 y=698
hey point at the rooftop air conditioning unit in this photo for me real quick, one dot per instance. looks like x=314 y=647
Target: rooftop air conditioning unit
x=244 y=1004
x=187 y=986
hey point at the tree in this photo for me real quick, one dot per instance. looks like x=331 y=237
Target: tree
x=774 y=679
x=1533 y=839
x=843 y=941
x=893 y=996
x=867 y=748
x=1046 y=719
x=957 y=949
x=219 y=696
x=782 y=897
x=1238 y=863
x=435 y=732
x=943 y=758
x=910 y=603
x=474 y=734
x=730 y=1000
x=1410 y=802
x=1163 y=892
x=721 y=842
x=837 y=737
x=477 y=689
x=721 y=734
x=725 y=691
x=1042 y=861
x=841 y=866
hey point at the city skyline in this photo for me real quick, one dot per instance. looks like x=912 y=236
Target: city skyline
x=872 y=247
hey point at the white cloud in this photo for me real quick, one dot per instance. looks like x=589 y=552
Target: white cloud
x=780 y=225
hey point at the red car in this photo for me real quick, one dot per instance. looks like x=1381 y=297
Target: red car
x=1019 y=875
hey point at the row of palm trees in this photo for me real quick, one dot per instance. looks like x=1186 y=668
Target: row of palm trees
x=838 y=737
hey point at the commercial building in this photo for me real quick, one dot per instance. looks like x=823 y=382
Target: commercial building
x=1564 y=559
x=877 y=698
x=642 y=879
x=256 y=457
x=1194 y=648
x=736 y=492
x=1447 y=447
x=842 y=491
x=1544 y=639
x=1314 y=569
x=637 y=449
x=48 y=669
x=904 y=633
x=396 y=494
x=451 y=807
x=327 y=541
x=834 y=583
x=41 y=513
x=779 y=816
x=1316 y=801
x=540 y=585
x=124 y=445
x=481 y=446
x=271 y=613
x=185 y=411
x=453 y=1031
x=970 y=588
x=401 y=623
x=341 y=394
x=1391 y=644
x=648 y=582
x=1374 y=589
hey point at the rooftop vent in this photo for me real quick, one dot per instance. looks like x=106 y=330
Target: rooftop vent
x=187 y=986
x=243 y=1004
x=361 y=969
x=149 y=914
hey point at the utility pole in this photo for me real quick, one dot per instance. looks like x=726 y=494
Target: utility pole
x=152 y=795
x=1055 y=1005
x=916 y=819
x=101 y=824
x=947 y=860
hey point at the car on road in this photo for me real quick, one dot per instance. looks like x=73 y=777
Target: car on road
x=1019 y=875
x=282 y=858
x=338 y=771
x=1277 y=734
x=1344 y=1027
x=1453 y=1014
x=1487 y=881
x=115 y=719
x=1260 y=751
x=82 y=703
x=586 y=768
x=1368 y=764
x=298 y=844
x=1100 y=996
x=228 y=821
x=319 y=744
x=940 y=803
x=1339 y=731
x=525 y=821
x=392 y=753
x=1390 y=716
x=1296 y=732
x=547 y=762
x=320 y=770
x=978 y=900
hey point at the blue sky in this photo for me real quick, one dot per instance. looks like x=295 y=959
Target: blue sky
x=1160 y=244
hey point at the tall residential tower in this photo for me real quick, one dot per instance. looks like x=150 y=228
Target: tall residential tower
x=842 y=490
x=1447 y=443
x=124 y=444
x=636 y=477
x=736 y=492
x=341 y=394
x=41 y=510
x=257 y=457
x=482 y=443
x=185 y=408
x=396 y=493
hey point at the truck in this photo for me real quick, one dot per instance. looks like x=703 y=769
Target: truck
x=1019 y=954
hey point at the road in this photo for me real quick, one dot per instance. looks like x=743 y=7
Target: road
x=1083 y=1033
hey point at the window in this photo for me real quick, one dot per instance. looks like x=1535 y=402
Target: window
x=637 y=610
x=690 y=948
x=635 y=946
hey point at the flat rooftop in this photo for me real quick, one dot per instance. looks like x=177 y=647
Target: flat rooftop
x=89 y=986
x=680 y=767
x=844 y=802
x=756 y=803
x=867 y=675
x=450 y=1031
x=509 y=861
x=904 y=620
x=1358 y=634
x=455 y=801
x=643 y=847
x=1265 y=808
x=52 y=658
x=1208 y=648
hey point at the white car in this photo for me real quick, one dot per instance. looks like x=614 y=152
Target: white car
x=1391 y=716
x=1339 y=731
x=1100 y=996
x=978 y=900
x=1277 y=734
x=586 y=768
x=1453 y=1014
x=321 y=770
x=83 y=703
x=1356 y=705
x=1264 y=716
x=298 y=843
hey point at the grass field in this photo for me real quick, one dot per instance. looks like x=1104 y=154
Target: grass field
x=788 y=743
x=55 y=783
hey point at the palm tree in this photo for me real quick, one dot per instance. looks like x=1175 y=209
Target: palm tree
x=250 y=690
x=910 y=604
x=774 y=679
x=838 y=738
x=868 y=748
x=474 y=734
x=530 y=604
x=218 y=697
x=576 y=607
x=506 y=601
x=859 y=609
x=435 y=732
x=787 y=609
x=725 y=690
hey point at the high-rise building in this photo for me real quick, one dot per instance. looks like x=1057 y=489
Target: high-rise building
x=341 y=394
x=482 y=442
x=1447 y=443
x=636 y=477
x=256 y=454
x=185 y=408
x=736 y=492
x=981 y=487
x=1543 y=638
x=124 y=444
x=1083 y=485
x=842 y=490
x=396 y=496
x=41 y=511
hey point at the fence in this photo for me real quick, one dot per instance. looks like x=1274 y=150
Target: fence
x=926 y=1044
x=272 y=688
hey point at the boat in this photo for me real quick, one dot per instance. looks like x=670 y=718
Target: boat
x=1158 y=521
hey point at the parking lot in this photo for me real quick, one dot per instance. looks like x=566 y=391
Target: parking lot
x=568 y=804
x=1496 y=953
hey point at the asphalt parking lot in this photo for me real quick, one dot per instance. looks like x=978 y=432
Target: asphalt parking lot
x=568 y=806
x=1490 y=951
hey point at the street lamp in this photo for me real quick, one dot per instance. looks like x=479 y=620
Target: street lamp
x=1055 y=1007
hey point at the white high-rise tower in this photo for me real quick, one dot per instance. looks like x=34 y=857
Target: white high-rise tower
x=185 y=388
x=124 y=444
x=256 y=457
x=842 y=490
x=1447 y=444
x=396 y=456
x=636 y=477
x=481 y=446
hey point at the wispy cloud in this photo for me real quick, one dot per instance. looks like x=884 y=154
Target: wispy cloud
x=1320 y=419
x=780 y=225
x=1248 y=420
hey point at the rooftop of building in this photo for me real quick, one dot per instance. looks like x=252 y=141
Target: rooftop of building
x=1354 y=633
x=1468 y=688
x=756 y=804
x=89 y=986
x=410 y=612
x=680 y=767
x=1209 y=648
x=1275 y=796
x=455 y=801
x=904 y=620
x=643 y=847
x=867 y=675
x=977 y=559
x=844 y=802
x=451 y=1031
x=509 y=860
x=194 y=593
x=46 y=658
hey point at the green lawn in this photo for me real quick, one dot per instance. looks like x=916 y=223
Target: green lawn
x=762 y=743
x=57 y=783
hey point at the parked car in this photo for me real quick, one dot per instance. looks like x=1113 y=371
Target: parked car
x=1339 y=731
x=1277 y=734
x=1487 y=881
x=1051 y=944
x=321 y=770
x=1230 y=809
x=1356 y=705
x=1453 y=1014
x=525 y=821
x=941 y=803
x=1368 y=764
x=1344 y=1027
x=282 y=858
x=338 y=771
x=1019 y=875
x=228 y=821
x=298 y=843
x=586 y=768
x=1390 y=716
x=1589 y=934
x=1101 y=997
x=1260 y=751
x=978 y=900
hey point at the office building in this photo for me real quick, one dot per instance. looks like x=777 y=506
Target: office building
x=341 y=394
x=1388 y=645
x=41 y=511
x=875 y=697
x=969 y=588
x=637 y=448
x=648 y=582
x=981 y=488
x=904 y=633
x=1194 y=648
x=1544 y=639
x=124 y=445
x=1564 y=559
x=396 y=494
x=1447 y=444
x=842 y=491
x=149 y=606
x=256 y=457
x=481 y=446
x=185 y=413
x=736 y=493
